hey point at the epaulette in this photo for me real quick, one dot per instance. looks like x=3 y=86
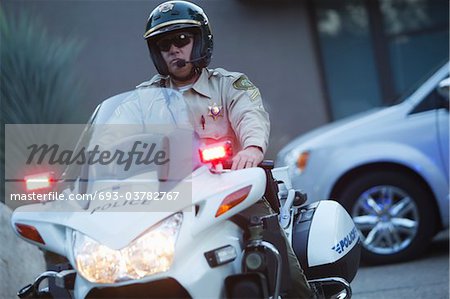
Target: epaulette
x=144 y=84
x=225 y=73
x=156 y=80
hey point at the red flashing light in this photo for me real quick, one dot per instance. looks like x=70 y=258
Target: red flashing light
x=217 y=152
x=38 y=181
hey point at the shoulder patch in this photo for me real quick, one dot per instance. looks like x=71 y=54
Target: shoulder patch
x=243 y=83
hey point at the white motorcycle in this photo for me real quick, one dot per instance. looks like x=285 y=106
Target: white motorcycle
x=174 y=229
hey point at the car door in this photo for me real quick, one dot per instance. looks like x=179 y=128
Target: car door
x=443 y=131
x=433 y=112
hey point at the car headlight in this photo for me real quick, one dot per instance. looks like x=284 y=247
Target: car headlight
x=297 y=160
x=150 y=253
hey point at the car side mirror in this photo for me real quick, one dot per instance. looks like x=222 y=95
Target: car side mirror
x=443 y=89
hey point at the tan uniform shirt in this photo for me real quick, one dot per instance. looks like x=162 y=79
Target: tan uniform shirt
x=225 y=106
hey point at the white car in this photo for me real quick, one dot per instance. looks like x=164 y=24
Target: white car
x=388 y=167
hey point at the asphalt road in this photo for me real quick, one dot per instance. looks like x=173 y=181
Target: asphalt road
x=427 y=277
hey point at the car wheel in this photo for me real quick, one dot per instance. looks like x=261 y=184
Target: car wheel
x=393 y=213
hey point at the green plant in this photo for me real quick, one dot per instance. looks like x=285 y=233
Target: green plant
x=38 y=84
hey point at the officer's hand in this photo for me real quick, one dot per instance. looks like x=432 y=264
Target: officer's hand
x=249 y=157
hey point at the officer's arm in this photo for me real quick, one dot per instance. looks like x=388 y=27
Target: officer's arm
x=250 y=121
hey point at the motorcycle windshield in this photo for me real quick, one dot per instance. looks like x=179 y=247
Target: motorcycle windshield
x=138 y=145
x=147 y=106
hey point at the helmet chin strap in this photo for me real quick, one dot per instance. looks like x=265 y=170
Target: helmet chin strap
x=194 y=71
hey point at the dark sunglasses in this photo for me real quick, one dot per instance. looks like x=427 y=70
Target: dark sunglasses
x=180 y=40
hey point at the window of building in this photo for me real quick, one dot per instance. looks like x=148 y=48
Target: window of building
x=373 y=51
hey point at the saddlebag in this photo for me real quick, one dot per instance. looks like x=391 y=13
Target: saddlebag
x=326 y=241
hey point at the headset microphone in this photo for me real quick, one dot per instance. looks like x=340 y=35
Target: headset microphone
x=182 y=62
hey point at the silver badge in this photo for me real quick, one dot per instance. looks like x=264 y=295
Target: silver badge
x=215 y=111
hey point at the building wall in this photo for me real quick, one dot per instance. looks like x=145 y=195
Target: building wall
x=270 y=41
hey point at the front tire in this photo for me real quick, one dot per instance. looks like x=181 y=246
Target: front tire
x=394 y=214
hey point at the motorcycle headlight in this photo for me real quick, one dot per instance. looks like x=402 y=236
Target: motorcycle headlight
x=150 y=253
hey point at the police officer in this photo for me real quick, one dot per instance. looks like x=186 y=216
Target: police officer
x=224 y=105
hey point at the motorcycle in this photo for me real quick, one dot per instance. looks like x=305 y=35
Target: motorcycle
x=171 y=226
